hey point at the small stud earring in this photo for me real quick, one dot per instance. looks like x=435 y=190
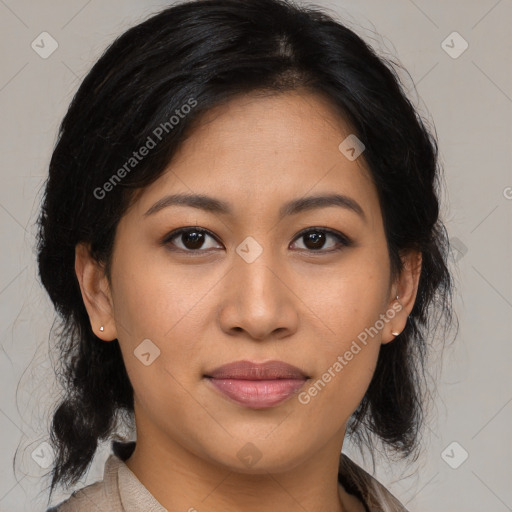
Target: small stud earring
x=394 y=333
x=102 y=328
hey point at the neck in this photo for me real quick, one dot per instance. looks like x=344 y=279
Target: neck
x=182 y=480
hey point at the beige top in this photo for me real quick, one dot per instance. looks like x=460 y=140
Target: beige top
x=121 y=491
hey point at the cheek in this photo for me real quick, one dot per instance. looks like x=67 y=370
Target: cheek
x=157 y=304
x=350 y=299
x=345 y=368
x=349 y=307
x=152 y=298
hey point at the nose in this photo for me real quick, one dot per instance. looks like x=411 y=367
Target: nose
x=259 y=302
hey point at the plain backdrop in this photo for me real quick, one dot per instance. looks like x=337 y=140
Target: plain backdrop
x=466 y=92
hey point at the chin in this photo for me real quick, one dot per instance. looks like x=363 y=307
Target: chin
x=258 y=458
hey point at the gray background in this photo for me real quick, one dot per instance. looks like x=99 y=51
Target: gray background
x=469 y=99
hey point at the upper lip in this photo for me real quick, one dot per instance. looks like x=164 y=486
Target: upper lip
x=248 y=370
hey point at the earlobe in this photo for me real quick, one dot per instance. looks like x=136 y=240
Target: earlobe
x=95 y=293
x=405 y=291
x=392 y=331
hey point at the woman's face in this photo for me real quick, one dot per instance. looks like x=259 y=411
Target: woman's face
x=255 y=287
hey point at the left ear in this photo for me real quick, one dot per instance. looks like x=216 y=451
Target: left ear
x=406 y=287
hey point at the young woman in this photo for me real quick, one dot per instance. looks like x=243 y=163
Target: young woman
x=240 y=235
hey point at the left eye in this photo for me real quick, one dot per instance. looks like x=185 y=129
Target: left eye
x=314 y=239
x=193 y=239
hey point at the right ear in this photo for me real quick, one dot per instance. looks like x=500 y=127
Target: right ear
x=95 y=292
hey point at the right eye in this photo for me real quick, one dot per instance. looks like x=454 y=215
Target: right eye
x=192 y=239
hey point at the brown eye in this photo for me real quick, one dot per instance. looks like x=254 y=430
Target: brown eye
x=315 y=240
x=192 y=239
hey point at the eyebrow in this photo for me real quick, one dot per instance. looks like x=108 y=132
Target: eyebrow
x=213 y=205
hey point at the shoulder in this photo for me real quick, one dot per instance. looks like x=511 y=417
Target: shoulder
x=368 y=489
x=102 y=496
x=88 y=499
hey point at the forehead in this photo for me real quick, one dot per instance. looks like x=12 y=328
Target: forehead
x=261 y=151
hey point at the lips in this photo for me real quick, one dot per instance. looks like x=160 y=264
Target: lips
x=247 y=370
x=257 y=385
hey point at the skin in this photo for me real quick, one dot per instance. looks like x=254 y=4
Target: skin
x=292 y=303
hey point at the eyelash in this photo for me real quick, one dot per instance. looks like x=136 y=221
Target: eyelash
x=343 y=240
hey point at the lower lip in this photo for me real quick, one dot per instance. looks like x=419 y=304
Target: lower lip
x=258 y=394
